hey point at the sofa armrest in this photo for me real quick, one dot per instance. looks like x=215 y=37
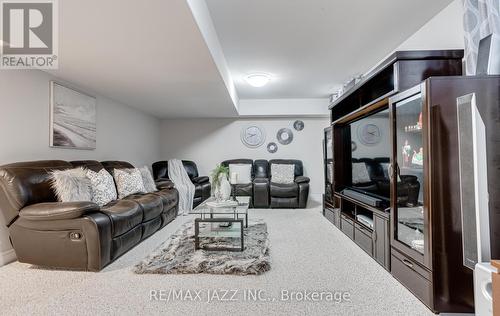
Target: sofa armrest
x=57 y=210
x=164 y=183
x=201 y=180
x=302 y=179
x=261 y=192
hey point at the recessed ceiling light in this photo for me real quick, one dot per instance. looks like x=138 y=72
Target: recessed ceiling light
x=258 y=79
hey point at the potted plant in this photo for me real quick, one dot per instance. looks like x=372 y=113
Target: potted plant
x=220 y=183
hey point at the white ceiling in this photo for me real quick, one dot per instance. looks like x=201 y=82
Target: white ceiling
x=312 y=46
x=166 y=58
x=146 y=54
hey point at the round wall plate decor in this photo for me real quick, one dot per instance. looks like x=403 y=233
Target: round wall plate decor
x=298 y=125
x=285 y=136
x=272 y=148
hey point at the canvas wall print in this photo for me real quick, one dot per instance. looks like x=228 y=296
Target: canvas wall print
x=73 y=118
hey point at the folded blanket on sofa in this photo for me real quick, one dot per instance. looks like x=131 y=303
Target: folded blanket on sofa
x=183 y=184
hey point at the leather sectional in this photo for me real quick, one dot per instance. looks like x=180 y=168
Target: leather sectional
x=264 y=193
x=201 y=184
x=77 y=235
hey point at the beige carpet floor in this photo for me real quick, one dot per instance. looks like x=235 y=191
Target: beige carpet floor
x=307 y=253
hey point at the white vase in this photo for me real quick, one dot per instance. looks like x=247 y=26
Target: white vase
x=224 y=188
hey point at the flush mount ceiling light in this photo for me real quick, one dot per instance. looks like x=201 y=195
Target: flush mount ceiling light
x=258 y=79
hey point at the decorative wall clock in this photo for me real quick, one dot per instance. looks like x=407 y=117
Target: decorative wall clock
x=298 y=125
x=369 y=134
x=272 y=148
x=252 y=135
x=285 y=136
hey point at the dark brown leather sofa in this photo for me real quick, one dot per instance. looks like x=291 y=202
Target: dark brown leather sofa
x=265 y=194
x=202 y=184
x=76 y=235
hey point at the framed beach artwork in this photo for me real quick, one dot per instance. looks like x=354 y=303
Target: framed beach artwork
x=72 y=118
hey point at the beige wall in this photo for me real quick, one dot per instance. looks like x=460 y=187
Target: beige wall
x=122 y=132
x=210 y=141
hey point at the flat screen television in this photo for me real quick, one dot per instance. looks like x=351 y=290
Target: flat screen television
x=370 y=155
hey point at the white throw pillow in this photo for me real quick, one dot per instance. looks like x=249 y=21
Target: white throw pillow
x=71 y=185
x=102 y=187
x=282 y=173
x=147 y=179
x=128 y=181
x=243 y=171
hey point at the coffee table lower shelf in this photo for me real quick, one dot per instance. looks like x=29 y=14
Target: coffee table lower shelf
x=228 y=232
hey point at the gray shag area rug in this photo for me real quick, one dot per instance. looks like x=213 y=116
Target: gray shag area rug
x=178 y=256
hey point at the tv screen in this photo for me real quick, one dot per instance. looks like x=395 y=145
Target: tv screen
x=370 y=157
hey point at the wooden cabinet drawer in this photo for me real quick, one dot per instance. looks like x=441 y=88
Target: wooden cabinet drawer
x=363 y=238
x=347 y=226
x=412 y=276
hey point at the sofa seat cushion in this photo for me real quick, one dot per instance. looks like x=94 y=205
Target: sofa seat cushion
x=244 y=189
x=124 y=215
x=151 y=204
x=169 y=197
x=284 y=190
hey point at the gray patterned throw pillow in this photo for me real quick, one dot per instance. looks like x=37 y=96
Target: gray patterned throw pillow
x=281 y=173
x=102 y=186
x=128 y=181
x=147 y=178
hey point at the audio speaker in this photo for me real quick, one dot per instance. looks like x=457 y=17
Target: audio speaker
x=488 y=56
x=473 y=182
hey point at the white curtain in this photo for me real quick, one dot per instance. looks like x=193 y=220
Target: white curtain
x=183 y=184
x=481 y=18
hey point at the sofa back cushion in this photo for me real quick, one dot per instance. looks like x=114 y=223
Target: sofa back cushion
x=93 y=165
x=160 y=169
x=26 y=183
x=111 y=165
x=298 y=170
x=261 y=168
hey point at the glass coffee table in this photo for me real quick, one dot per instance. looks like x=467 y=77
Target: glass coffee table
x=221 y=221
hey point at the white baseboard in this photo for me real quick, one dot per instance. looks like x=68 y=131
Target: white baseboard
x=7 y=256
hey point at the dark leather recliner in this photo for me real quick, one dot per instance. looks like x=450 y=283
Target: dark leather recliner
x=293 y=195
x=76 y=235
x=264 y=194
x=202 y=184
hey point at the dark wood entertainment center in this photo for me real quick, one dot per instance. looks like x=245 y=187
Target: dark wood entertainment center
x=417 y=235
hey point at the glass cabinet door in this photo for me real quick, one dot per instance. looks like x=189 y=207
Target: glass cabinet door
x=408 y=202
x=328 y=163
x=329 y=156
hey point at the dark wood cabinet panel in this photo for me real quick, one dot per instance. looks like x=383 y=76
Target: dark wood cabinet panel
x=381 y=248
x=439 y=251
